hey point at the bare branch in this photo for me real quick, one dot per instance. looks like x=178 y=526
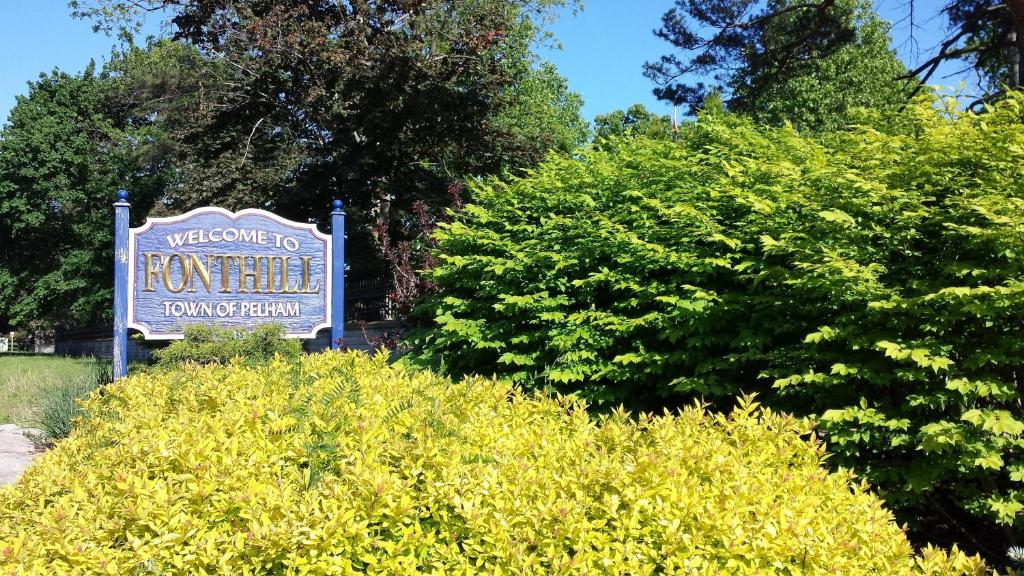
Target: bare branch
x=248 y=141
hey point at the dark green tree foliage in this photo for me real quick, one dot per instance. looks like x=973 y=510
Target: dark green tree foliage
x=832 y=91
x=875 y=282
x=539 y=114
x=637 y=120
x=381 y=103
x=63 y=154
x=810 y=63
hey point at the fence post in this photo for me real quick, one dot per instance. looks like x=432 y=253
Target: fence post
x=121 y=285
x=337 y=275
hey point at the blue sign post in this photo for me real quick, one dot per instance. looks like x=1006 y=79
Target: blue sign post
x=232 y=269
x=338 y=280
x=121 y=285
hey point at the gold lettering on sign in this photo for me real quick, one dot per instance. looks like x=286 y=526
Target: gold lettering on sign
x=305 y=276
x=152 y=269
x=198 y=269
x=256 y=274
x=225 y=272
x=285 y=288
x=244 y=273
x=270 y=274
x=185 y=273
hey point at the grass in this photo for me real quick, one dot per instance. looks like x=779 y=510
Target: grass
x=27 y=382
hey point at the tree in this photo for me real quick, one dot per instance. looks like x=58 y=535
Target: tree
x=64 y=152
x=637 y=120
x=808 y=63
x=541 y=114
x=381 y=103
x=747 y=46
x=829 y=92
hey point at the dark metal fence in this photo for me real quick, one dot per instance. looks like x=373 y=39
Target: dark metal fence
x=369 y=300
x=91 y=333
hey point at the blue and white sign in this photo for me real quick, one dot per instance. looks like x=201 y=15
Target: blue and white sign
x=230 y=269
x=213 y=266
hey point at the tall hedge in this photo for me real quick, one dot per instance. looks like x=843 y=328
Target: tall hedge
x=341 y=464
x=873 y=279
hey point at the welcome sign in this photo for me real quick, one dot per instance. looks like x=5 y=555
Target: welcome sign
x=230 y=269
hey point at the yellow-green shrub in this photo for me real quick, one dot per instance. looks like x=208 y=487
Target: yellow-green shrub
x=341 y=464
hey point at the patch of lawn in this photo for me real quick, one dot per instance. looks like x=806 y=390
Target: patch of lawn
x=27 y=381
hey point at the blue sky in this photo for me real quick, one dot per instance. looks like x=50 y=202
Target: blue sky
x=604 y=47
x=38 y=36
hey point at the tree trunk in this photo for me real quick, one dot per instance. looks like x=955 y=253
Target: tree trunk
x=382 y=216
x=1012 y=60
x=1014 y=56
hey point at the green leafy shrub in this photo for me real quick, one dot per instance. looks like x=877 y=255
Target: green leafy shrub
x=876 y=280
x=205 y=344
x=342 y=464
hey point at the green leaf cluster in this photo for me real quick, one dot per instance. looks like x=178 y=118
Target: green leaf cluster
x=636 y=120
x=342 y=464
x=827 y=92
x=874 y=280
x=205 y=344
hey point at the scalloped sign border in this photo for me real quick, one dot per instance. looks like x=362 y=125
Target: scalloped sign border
x=232 y=269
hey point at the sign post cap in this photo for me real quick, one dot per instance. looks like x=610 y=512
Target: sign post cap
x=122 y=195
x=337 y=205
